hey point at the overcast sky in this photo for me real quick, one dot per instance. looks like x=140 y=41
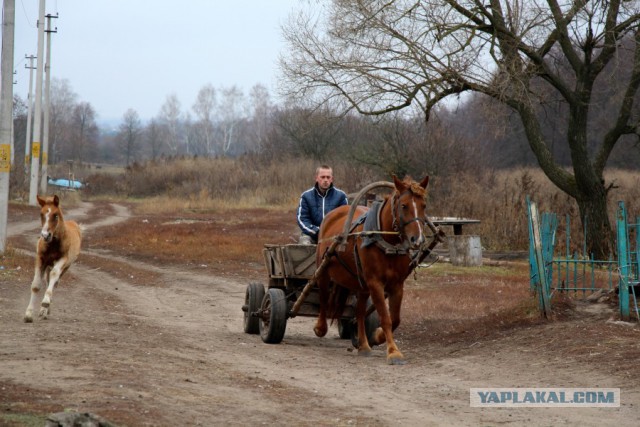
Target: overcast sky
x=121 y=54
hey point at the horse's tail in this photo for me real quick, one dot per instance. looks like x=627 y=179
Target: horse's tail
x=337 y=302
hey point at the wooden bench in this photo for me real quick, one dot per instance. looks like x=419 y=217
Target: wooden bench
x=457 y=223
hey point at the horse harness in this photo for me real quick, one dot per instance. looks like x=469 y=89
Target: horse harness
x=371 y=234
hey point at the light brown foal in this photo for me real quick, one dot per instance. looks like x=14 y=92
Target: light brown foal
x=58 y=247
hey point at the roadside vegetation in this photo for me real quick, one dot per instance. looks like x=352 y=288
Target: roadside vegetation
x=496 y=197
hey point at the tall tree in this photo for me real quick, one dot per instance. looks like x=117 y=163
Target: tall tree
x=312 y=133
x=84 y=132
x=204 y=108
x=378 y=56
x=63 y=103
x=261 y=108
x=154 y=140
x=170 y=118
x=129 y=135
x=231 y=111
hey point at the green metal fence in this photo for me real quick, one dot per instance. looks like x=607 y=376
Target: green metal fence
x=579 y=272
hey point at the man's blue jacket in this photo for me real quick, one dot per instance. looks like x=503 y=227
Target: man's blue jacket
x=314 y=206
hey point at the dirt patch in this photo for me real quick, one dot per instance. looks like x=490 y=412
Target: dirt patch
x=146 y=332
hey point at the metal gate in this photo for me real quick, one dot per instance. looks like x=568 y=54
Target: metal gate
x=578 y=271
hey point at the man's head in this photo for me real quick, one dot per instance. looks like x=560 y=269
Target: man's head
x=324 y=177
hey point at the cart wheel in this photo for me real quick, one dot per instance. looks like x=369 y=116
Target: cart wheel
x=252 y=300
x=371 y=323
x=345 y=328
x=273 y=321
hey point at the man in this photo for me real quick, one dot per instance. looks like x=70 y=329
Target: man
x=316 y=202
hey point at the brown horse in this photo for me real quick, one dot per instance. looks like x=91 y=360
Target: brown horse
x=58 y=247
x=376 y=268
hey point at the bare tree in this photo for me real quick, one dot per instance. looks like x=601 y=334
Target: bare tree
x=312 y=133
x=261 y=108
x=170 y=118
x=63 y=103
x=129 y=135
x=204 y=108
x=379 y=56
x=84 y=132
x=231 y=111
x=154 y=139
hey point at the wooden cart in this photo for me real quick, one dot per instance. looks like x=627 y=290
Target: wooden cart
x=290 y=268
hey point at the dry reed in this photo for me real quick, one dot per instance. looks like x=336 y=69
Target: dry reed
x=496 y=198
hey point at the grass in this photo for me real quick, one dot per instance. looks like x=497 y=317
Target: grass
x=201 y=203
x=453 y=293
x=496 y=198
x=22 y=420
x=220 y=239
x=445 y=269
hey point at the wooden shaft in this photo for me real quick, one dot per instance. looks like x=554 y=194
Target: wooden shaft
x=439 y=237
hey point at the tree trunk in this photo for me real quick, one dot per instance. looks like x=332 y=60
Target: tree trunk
x=595 y=219
x=585 y=185
x=591 y=194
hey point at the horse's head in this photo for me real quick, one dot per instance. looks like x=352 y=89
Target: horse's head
x=409 y=202
x=50 y=216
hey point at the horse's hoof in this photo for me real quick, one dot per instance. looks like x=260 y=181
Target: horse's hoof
x=364 y=352
x=396 y=361
x=44 y=313
x=320 y=332
x=28 y=319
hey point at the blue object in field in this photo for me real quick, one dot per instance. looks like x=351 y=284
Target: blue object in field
x=65 y=183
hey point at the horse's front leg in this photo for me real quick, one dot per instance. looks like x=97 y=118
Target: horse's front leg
x=38 y=277
x=54 y=275
x=384 y=332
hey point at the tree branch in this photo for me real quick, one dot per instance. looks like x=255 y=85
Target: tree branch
x=622 y=125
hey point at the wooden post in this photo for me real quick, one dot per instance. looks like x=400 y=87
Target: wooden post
x=545 y=300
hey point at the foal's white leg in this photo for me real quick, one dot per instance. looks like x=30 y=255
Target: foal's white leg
x=35 y=288
x=54 y=276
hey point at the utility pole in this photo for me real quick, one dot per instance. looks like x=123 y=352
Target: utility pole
x=6 y=113
x=13 y=138
x=47 y=101
x=35 y=146
x=27 y=144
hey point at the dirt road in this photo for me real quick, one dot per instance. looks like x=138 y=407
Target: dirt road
x=141 y=344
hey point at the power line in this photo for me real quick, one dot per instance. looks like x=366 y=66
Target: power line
x=25 y=13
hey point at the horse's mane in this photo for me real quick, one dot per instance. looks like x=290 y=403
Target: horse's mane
x=414 y=186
